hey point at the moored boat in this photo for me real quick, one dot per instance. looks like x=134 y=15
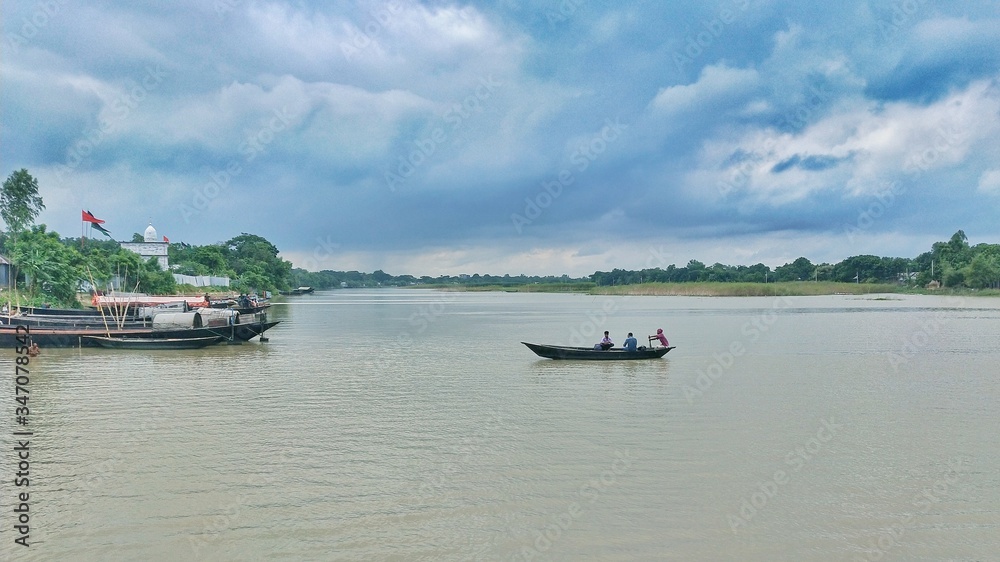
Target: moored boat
x=591 y=354
x=153 y=343
x=298 y=291
x=47 y=336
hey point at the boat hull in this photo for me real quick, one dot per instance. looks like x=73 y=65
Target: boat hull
x=154 y=343
x=47 y=337
x=591 y=354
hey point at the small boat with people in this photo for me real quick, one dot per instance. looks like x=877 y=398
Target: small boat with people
x=596 y=353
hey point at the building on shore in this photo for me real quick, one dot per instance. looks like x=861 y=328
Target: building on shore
x=5 y=269
x=150 y=247
x=153 y=247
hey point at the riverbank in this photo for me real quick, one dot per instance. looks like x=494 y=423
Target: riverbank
x=710 y=289
x=714 y=289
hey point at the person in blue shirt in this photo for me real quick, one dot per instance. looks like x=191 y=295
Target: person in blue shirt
x=630 y=343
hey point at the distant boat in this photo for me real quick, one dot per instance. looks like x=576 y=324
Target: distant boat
x=298 y=291
x=153 y=343
x=591 y=354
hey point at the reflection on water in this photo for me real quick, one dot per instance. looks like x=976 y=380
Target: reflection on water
x=409 y=425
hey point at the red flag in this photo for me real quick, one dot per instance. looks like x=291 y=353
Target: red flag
x=165 y=239
x=88 y=217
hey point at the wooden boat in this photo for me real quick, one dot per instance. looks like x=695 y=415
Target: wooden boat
x=153 y=343
x=207 y=317
x=591 y=354
x=48 y=336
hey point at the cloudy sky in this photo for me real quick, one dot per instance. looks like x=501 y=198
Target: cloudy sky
x=525 y=136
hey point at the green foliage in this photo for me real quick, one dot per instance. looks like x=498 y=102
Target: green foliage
x=982 y=272
x=50 y=267
x=256 y=263
x=154 y=280
x=328 y=279
x=799 y=270
x=19 y=201
x=201 y=260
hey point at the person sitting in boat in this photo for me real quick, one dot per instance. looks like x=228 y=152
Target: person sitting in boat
x=630 y=343
x=606 y=343
x=662 y=339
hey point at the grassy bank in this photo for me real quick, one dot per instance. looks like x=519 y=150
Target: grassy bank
x=530 y=288
x=711 y=289
x=708 y=289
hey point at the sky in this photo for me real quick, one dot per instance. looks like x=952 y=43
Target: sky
x=528 y=136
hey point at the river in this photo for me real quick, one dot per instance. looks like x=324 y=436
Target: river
x=413 y=425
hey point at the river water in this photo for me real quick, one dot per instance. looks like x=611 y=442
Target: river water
x=413 y=425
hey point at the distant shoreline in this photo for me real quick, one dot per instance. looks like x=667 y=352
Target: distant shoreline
x=711 y=289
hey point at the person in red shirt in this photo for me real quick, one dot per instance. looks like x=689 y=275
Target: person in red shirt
x=662 y=338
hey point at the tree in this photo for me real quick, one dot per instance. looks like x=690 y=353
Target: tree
x=48 y=264
x=982 y=272
x=249 y=250
x=154 y=280
x=799 y=270
x=19 y=201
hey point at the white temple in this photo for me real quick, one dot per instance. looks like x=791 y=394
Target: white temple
x=151 y=247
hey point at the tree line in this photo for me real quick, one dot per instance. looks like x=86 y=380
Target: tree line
x=330 y=279
x=951 y=264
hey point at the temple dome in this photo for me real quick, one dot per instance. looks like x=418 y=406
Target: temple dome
x=150 y=234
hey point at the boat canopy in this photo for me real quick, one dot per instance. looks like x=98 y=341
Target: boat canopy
x=171 y=320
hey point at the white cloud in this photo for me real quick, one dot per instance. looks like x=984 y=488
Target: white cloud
x=989 y=182
x=714 y=85
x=873 y=143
